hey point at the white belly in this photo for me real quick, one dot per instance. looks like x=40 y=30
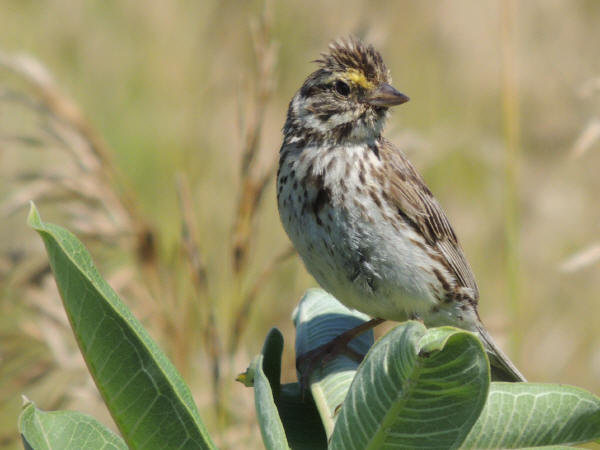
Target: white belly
x=352 y=249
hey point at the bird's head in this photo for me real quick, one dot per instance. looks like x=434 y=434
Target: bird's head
x=346 y=98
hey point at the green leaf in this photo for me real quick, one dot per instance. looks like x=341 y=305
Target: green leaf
x=300 y=418
x=272 y=350
x=66 y=430
x=531 y=415
x=415 y=389
x=319 y=318
x=283 y=414
x=149 y=401
x=271 y=427
x=549 y=447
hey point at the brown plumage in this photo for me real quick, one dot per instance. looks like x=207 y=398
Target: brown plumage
x=363 y=220
x=419 y=208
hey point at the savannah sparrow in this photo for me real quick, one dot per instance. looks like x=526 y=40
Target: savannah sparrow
x=365 y=224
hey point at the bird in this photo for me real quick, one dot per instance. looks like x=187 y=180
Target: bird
x=362 y=219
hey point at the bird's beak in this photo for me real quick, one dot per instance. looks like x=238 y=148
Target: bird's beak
x=386 y=95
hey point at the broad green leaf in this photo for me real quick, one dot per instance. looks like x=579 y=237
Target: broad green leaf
x=319 y=318
x=65 y=430
x=530 y=415
x=281 y=410
x=415 y=389
x=145 y=394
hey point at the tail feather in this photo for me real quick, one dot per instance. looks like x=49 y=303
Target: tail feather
x=501 y=367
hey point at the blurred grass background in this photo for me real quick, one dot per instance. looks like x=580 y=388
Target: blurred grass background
x=185 y=102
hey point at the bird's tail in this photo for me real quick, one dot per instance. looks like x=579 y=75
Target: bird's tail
x=501 y=367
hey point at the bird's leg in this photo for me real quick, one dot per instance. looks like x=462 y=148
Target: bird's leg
x=307 y=362
x=415 y=316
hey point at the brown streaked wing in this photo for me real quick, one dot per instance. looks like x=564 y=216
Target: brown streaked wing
x=417 y=205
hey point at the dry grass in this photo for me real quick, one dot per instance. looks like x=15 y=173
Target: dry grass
x=156 y=144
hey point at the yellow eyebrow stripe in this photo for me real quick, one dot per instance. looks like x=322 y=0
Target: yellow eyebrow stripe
x=359 y=78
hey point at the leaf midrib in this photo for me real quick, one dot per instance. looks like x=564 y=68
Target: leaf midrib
x=379 y=437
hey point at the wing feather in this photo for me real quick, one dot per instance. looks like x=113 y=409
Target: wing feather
x=417 y=205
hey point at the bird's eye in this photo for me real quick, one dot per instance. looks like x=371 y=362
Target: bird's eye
x=342 y=88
